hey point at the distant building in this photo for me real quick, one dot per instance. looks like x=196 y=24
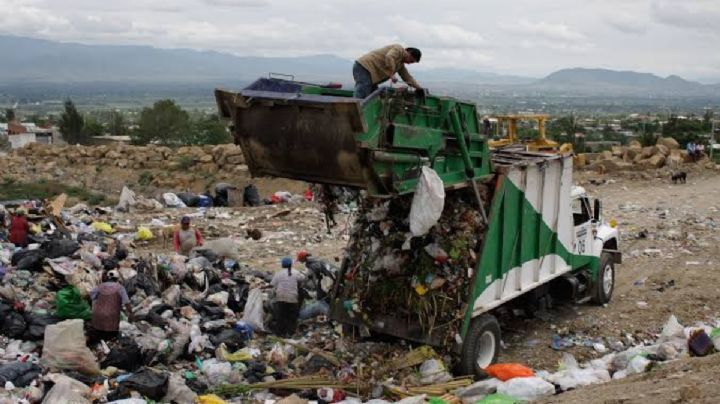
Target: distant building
x=21 y=134
x=110 y=140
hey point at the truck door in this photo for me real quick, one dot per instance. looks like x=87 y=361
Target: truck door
x=582 y=218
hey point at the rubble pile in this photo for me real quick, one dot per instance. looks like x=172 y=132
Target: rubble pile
x=414 y=279
x=107 y=167
x=666 y=153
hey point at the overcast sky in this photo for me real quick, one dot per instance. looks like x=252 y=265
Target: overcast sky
x=523 y=37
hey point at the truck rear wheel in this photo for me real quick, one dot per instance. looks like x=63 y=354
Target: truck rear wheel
x=481 y=346
x=605 y=280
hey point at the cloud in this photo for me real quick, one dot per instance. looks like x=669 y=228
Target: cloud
x=435 y=35
x=237 y=3
x=699 y=15
x=626 y=23
x=544 y=30
x=101 y=25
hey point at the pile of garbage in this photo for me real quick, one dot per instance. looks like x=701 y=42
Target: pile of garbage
x=393 y=270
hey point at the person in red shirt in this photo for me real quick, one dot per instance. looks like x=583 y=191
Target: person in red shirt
x=19 y=229
x=186 y=238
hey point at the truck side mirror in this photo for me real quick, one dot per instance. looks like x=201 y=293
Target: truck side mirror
x=597 y=209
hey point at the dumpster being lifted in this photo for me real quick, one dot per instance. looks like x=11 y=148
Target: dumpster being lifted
x=513 y=228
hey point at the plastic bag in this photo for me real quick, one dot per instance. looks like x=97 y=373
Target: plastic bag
x=67 y=390
x=210 y=399
x=526 y=388
x=127 y=200
x=178 y=392
x=428 y=202
x=499 y=399
x=13 y=325
x=70 y=304
x=102 y=226
x=173 y=201
x=433 y=371
x=143 y=234
x=243 y=355
x=60 y=248
x=125 y=355
x=151 y=384
x=219 y=298
x=171 y=295
x=507 y=371
x=576 y=377
x=230 y=338
x=216 y=372
x=19 y=373
x=36 y=324
x=90 y=258
x=253 y=313
x=671 y=329
x=64 y=348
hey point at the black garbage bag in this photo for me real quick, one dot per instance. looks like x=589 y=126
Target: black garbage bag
x=121 y=252
x=196 y=386
x=13 y=325
x=93 y=237
x=189 y=199
x=154 y=316
x=144 y=282
x=209 y=312
x=251 y=196
x=30 y=260
x=232 y=339
x=151 y=384
x=60 y=248
x=109 y=263
x=255 y=372
x=238 y=298
x=21 y=374
x=36 y=324
x=126 y=355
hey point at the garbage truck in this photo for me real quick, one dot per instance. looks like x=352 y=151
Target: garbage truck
x=507 y=224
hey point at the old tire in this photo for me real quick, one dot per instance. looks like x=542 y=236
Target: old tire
x=481 y=346
x=605 y=281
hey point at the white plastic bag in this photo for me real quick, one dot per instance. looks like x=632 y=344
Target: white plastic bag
x=178 y=392
x=216 y=372
x=171 y=295
x=433 y=371
x=66 y=390
x=64 y=348
x=173 y=201
x=575 y=377
x=526 y=388
x=672 y=329
x=127 y=200
x=428 y=202
x=253 y=313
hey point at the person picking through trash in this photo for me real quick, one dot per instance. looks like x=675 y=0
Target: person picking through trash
x=319 y=270
x=186 y=238
x=19 y=229
x=381 y=65
x=108 y=299
x=286 y=284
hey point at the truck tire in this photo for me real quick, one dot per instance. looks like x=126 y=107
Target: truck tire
x=605 y=281
x=481 y=346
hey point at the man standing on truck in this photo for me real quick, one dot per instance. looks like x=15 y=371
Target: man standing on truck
x=380 y=65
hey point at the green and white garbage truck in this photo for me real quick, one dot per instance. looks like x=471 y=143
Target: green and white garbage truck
x=505 y=225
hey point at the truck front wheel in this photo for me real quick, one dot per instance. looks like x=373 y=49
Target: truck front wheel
x=481 y=346
x=605 y=280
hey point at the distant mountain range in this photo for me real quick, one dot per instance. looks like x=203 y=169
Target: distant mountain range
x=27 y=61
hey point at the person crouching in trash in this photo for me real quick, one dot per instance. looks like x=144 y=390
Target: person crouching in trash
x=108 y=300
x=286 y=285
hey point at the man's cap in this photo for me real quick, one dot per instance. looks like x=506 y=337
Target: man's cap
x=286 y=262
x=185 y=220
x=415 y=52
x=113 y=275
x=302 y=254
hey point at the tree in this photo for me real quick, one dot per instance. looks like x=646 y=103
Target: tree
x=165 y=123
x=92 y=128
x=118 y=126
x=209 y=130
x=72 y=125
x=9 y=114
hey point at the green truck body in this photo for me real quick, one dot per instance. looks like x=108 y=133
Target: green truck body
x=540 y=228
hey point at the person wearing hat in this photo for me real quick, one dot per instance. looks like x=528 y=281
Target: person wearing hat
x=186 y=238
x=318 y=270
x=286 y=284
x=381 y=65
x=19 y=229
x=108 y=299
